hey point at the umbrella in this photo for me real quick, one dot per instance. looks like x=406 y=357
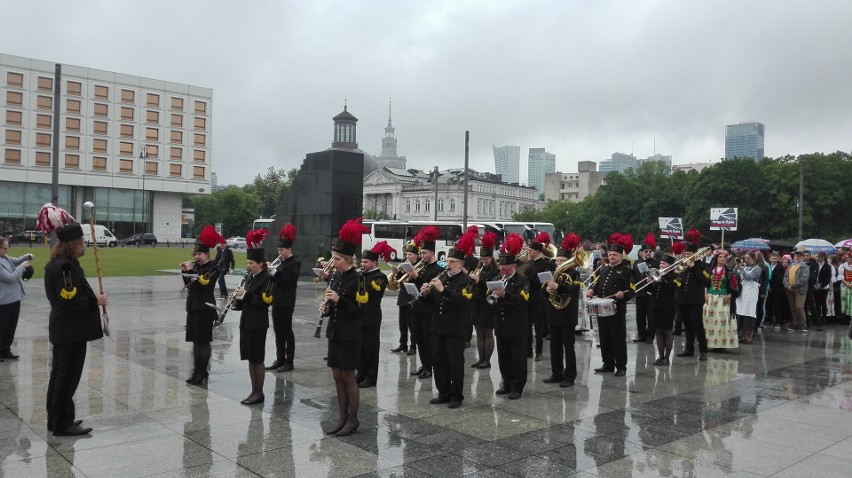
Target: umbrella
x=844 y=244
x=779 y=245
x=751 y=245
x=817 y=245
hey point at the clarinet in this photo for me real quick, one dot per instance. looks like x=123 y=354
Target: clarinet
x=230 y=302
x=318 y=331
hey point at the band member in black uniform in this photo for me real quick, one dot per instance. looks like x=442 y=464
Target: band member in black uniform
x=562 y=322
x=74 y=319
x=421 y=314
x=343 y=306
x=199 y=278
x=537 y=319
x=690 y=300
x=511 y=309
x=254 y=298
x=470 y=264
x=374 y=282
x=644 y=327
x=661 y=308
x=412 y=255
x=483 y=312
x=286 y=277
x=615 y=283
x=224 y=263
x=449 y=297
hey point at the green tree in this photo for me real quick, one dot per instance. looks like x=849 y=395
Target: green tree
x=271 y=188
x=233 y=207
x=373 y=214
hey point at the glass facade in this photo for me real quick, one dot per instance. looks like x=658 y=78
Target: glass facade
x=507 y=163
x=744 y=140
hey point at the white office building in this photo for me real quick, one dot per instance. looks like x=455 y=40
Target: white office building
x=507 y=163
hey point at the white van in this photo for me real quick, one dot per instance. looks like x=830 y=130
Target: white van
x=102 y=235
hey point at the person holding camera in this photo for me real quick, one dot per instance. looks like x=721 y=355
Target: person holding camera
x=12 y=271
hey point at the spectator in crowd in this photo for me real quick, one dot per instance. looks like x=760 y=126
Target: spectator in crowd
x=846 y=287
x=749 y=295
x=823 y=288
x=796 y=284
x=811 y=312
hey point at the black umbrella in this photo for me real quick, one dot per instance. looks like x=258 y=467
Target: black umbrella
x=779 y=245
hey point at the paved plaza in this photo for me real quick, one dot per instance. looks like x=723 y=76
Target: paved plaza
x=779 y=407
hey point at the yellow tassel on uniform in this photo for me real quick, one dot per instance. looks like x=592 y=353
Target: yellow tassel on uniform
x=676 y=282
x=525 y=294
x=266 y=297
x=204 y=280
x=362 y=297
x=466 y=294
x=376 y=286
x=578 y=283
x=68 y=294
x=706 y=275
x=632 y=286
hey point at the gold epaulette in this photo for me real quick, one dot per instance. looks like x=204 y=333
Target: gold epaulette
x=466 y=294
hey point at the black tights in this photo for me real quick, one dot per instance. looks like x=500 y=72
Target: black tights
x=665 y=341
x=201 y=354
x=484 y=344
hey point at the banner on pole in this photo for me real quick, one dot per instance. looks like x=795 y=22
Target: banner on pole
x=671 y=227
x=723 y=219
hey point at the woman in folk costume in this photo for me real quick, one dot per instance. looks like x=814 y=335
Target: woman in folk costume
x=253 y=298
x=719 y=325
x=483 y=312
x=74 y=318
x=199 y=279
x=342 y=305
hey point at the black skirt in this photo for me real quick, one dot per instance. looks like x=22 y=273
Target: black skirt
x=344 y=355
x=199 y=325
x=663 y=319
x=483 y=319
x=253 y=345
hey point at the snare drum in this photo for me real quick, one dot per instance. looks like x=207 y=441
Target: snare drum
x=601 y=307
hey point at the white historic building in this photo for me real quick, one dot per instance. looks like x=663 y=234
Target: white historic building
x=413 y=195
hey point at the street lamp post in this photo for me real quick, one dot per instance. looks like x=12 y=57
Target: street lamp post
x=143 y=155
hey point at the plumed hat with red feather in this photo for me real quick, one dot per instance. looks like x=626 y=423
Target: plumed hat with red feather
x=569 y=244
x=693 y=239
x=207 y=239
x=381 y=250
x=254 y=245
x=349 y=237
x=650 y=242
x=464 y=246
x=287 y=236
x=510 y=249
x=487 y=243
x=541 y=241
x=52 y=218
x=678 y=248
x=426 y=237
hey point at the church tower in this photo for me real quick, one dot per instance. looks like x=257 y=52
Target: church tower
x=389 y=157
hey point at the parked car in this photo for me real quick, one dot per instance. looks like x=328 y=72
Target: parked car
x=28 y=236
x=143 y=238
x=236 y=242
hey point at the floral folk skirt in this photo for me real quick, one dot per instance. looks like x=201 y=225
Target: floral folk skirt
x=721 y=331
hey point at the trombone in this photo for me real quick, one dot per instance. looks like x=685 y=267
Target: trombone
x=680 y=265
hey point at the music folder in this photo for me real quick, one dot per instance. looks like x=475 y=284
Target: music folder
x=411 y=289
x=406 y=267
x=494 y=285
x=545 y=276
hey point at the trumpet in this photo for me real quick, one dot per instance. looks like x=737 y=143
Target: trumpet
x=326 y=267
x=476 y=273
x=394 y=284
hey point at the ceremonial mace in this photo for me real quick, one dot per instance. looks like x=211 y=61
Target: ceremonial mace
x=89 y=206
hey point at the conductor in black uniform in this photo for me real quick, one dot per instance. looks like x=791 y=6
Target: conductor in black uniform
x=537 y=319
x=615 y=281
x=74 y=320
x=562 y=322
x=511 y=308
x=286 y=277
x=374 y=282
x=451 y=302
x=421 y=314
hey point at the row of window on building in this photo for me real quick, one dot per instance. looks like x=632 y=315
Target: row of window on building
x=101 y=145
x=99 y=164
x=503 y=191
x=413 y=205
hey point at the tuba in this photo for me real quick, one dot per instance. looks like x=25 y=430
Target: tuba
x=560 y=275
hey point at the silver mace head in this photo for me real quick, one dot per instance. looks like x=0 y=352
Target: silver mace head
x=89 y=206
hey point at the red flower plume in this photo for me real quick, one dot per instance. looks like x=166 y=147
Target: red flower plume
x=513 y=244
x=614 y=238
x=571 y=242
x=254 y=239
x=542 y=238
x=489 y=240
x=209 y=237
x=650 y=240
x=426 y=234
x=288 y=233
x=693 y=236
x=626 y=241
x=384 y=250
x=352 y=230
x=678 y=248
x=733 y=282
x=473 y=229
x=51 y=217
x=467 y=243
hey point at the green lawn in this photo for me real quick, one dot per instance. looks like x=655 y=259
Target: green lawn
x=116 y=261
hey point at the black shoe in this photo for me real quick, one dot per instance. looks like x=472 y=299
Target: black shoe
x=418 y=371
x=484 y=365
x=76 y=422
x=639 y=339
x=502 y=391
x=454 y=404
x=344 y=432
x=467 y=345
x=285 y=368
x=412 y=351
x=702 y=356
x=73 y=430
x=529 y=354
x=665 y=361
x=649 y=341
x=566 y=383
x=338 y=427
x=659 y=361
x=367 y=384
x=401 y=348
x=199 y=379
x=620 y=373
x=685 y=354
x=274 y=365
x=552 y=379
x=425 y=374
x=475 y=364
x=537 y=357
x=254 y=401
x=515 y=395
x=439 y=400
x=9 y=356
x=604 y=369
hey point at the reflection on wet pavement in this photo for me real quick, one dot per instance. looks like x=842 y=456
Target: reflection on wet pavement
x=781 y=406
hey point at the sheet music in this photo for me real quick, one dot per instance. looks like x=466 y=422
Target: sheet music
x=317 y=270
x=495 y=285
x=406 y=267
x=411 y=289
x=642 y=267
x=545 y=277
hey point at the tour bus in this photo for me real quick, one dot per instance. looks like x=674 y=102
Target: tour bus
x=262 y=224
x=399 y=233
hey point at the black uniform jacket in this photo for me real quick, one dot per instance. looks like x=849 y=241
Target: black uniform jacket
x=74 y=314
x=640 y=276
x=663 y=294
x=539 y=265
x=480 y=290
x=777 y=282
x=286 y=276
x=429 y=272
x=568 y=286
x=511 y=309
x=693 y=282
x=615 y=279
x=201 y=290
x=344 y=324
x=256 y=301
x=451 y=315
x=374 y=283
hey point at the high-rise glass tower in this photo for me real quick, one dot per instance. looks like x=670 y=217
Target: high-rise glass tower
x=507 y=163
x=744 y=140
x=540 y=163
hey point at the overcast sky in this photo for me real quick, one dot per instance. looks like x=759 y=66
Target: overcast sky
x=582 y=79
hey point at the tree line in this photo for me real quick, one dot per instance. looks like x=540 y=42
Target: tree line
x=766 y=193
